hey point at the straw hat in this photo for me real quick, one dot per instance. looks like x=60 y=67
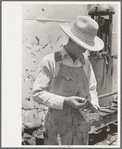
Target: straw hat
x=84 y=33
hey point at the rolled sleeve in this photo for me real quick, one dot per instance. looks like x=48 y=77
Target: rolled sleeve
x=40 y=92
x=93 y=87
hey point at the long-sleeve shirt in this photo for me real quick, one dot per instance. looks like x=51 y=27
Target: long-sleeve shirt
x=45 y=74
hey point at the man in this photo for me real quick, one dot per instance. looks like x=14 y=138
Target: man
x=65 y=79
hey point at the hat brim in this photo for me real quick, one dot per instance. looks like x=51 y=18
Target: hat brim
x=98 y=43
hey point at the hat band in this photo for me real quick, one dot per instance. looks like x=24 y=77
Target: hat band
x=84 y=31
x=83 y=36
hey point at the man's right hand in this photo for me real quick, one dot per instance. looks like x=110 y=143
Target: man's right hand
x=76 y=102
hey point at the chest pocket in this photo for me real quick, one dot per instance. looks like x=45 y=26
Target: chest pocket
x=67 y=84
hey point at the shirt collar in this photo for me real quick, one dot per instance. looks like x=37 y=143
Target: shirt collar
x=64 y=52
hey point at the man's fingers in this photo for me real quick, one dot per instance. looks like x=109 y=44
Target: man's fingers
x=80 y=98
x=74 y=102
x=82 y=105
x=76 y=97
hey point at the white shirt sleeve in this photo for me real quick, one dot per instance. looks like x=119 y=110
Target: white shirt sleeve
x=93 y=87
x=40 y=88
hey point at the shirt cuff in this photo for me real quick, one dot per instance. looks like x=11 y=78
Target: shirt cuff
x=58 y=104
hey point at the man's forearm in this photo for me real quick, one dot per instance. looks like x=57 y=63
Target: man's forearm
x=48 y=99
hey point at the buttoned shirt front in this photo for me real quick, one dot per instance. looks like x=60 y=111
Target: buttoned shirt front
x=45 y=74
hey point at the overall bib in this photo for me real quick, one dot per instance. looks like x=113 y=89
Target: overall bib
x=67 y=126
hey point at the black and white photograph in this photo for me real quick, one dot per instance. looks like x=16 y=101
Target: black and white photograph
x=70 y=71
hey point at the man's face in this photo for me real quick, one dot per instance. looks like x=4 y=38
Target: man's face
x=77 y=51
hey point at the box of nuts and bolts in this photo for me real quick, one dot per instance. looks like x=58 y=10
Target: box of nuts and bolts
x=90 y=113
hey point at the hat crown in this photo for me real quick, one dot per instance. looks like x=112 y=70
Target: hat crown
x=86 y=24
x=85 y=29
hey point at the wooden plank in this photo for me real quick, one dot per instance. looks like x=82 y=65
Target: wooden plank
x=115 y=101
x=102 y=123
x=103 y=114
x=114 y=108
x=108 y=110
x=107 y=94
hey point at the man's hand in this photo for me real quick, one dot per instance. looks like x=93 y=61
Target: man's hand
x=76 y=102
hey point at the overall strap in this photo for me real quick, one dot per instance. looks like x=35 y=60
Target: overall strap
x=58 y=59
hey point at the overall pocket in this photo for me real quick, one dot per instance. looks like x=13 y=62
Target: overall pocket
x=67 y=85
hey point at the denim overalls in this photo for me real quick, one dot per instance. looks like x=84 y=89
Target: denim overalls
x=67 y=126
